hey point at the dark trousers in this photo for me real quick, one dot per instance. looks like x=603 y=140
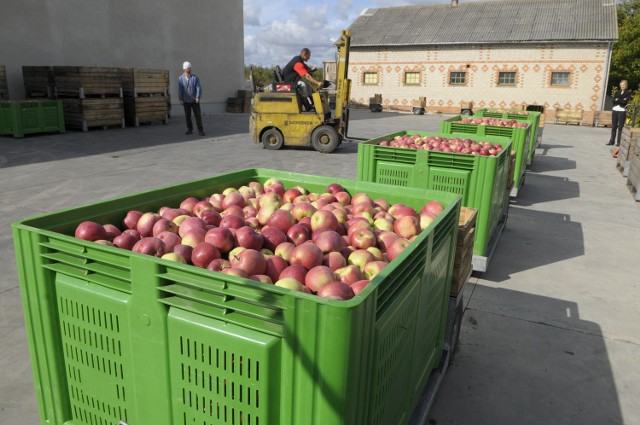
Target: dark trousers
x=188 y=107
x=617 y=122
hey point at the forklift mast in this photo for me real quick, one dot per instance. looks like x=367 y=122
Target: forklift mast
x=343 y=84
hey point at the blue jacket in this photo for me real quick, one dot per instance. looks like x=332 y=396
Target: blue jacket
x=189 y=90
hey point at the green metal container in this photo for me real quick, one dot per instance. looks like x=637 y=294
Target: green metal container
x=481 y=181
x=527 y=116
x=31 y=116
x=519 y=136
x=119 y=336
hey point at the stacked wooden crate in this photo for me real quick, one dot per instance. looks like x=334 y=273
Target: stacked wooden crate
x=633 y=178
x=240 y=103
x=4 y=88
x=146 y=94
x=92 y=96
x=628 y=142
x=603 y=119
x=39 y=82
x=462 y=265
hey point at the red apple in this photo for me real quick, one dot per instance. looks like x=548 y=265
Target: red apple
x=302 y=209
x=359 y=286
x=373 y=268
x=164 y=225
x=290 y=283
x=284 y=250
x=211 y=217
x=275 y=265
x=170 y=240
x=234 y=271
x=188 y=203
x=131 y=219
x=362 y=239
x=328 y=241
x=349 y=274
x=298 y=234
x=281 y=219
x=336 y=291
x=433 y=208
x=249 y=238
x=360 y=257
x=319 y=276
x=294 y=271
x=262 y=278
x=249 y=260
x=184 y=251
x=396 y=248
x=125 y=241
x=273 y=237
x=406 y=227
x=146 y=223
x=232 y=221
x=334 y=260
x=91 y=231
x=323 y=220
x=343 y=198
x=194 y=237
x=189 y=224
x=307 y=255
x=233 y=198
x=334 y=188
x=218 y=264
x=221 y=238
x=149 y=246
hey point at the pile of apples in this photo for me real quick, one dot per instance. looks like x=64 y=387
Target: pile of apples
x=443 y=144
x=330 y=244
x=496 y=122
x=509 y=111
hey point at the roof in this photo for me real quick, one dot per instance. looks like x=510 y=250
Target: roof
x=501 y=21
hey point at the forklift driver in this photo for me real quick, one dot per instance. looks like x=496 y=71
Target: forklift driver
x=296 y=70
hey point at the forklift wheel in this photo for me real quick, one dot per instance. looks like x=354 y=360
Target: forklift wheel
x=325 y=139
x=418 y=111
x=466 y=112
x=272 y=139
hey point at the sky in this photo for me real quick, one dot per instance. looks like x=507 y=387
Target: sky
x=276 y=30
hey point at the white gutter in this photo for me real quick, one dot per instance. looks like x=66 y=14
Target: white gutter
x=606 y=76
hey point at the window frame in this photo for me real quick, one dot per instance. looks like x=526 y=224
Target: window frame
x=568 y=83
x=417 y=73
x=510 y=84
x=364 y=78
x=463 y=83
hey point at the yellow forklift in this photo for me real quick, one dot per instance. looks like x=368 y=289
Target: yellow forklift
x=280 y=118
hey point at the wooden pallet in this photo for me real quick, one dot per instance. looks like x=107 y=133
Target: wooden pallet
x=89 y=113
x=144 y=81
x=145 y=109
x=87 y=81
x=569 y=116
x=4 y=88
x=603 y=119
x=39 y=81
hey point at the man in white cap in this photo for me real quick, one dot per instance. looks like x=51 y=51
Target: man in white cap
x=190 y=91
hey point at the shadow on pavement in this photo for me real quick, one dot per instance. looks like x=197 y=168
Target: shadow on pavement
x=541 y=371
x=540 y=188
x=546 y=163
x=538 y=239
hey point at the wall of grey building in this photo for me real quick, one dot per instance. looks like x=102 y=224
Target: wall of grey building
x=121 y=33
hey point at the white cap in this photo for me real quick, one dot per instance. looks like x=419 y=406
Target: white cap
x=186 y=65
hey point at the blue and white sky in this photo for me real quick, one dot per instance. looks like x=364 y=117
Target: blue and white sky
x=276 y=30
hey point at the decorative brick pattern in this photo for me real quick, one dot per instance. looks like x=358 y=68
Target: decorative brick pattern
x=533 y=64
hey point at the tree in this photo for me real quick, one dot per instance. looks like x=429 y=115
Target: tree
x=625 y=56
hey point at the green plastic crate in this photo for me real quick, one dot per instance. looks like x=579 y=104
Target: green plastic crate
x=481 y=181
x=529 y=116
x=519 y=136
x=119 y=336
x=31 y=116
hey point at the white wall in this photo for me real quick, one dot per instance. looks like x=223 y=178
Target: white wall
x=128 y=33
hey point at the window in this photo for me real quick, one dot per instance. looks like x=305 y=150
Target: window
x=370 y=78
x=412 y=78
x=506 y=78
x=560 y=78
x=458 y=78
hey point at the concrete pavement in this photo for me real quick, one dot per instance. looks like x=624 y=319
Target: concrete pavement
x=551 y=332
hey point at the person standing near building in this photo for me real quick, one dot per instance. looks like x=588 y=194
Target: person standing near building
x=190 y=91
x=619 y=114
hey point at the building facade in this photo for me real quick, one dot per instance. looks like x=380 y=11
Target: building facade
x=449 y=71
x=145 y=33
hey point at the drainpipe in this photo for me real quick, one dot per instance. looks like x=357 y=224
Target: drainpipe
x=606 y=76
